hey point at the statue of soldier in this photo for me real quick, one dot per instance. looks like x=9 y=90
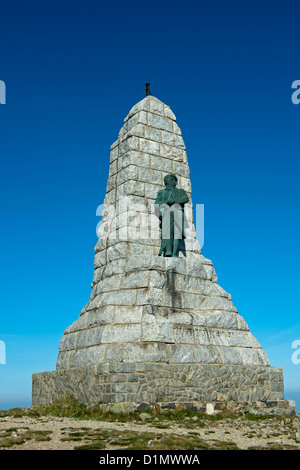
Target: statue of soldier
x=169 y=207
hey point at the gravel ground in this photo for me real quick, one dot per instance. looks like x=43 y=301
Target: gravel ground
x=46 y=433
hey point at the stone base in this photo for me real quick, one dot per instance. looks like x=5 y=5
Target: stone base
x=133 y=384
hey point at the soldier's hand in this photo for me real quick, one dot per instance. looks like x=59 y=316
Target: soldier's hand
x=170 y=202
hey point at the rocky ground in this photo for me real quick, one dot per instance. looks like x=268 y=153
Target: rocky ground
x=53 y=430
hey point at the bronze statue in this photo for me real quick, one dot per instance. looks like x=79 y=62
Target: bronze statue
x=169 y=207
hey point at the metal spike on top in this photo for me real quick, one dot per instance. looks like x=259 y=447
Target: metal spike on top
x=148 y=92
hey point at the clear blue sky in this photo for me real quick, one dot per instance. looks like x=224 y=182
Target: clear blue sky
x=73 y=70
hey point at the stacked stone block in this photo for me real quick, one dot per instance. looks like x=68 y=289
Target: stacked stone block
x=168 y=310
x=132 y=385
x=155 y=329
x=149 y=147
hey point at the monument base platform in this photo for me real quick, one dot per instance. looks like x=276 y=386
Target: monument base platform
x=129 y=386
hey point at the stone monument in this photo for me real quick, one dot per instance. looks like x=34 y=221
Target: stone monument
x=158 y=328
